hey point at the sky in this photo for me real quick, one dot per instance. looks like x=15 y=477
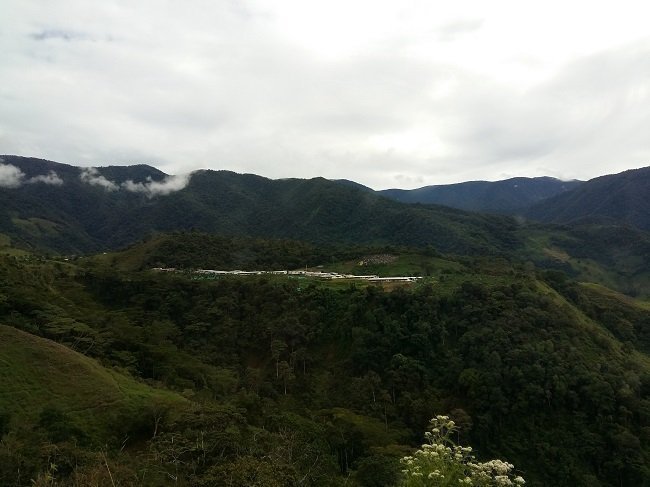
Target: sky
x=386 y=93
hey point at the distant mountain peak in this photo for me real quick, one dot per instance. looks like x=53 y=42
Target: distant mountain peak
x=506 y=196
x=615 y=198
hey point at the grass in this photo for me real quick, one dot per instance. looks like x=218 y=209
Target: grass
x=7 y=249
x=607 y=295
x=36 y=226
x=409 y=264
x=445 y=275
x=37 y=373
x=617 y=268
x=129 y=259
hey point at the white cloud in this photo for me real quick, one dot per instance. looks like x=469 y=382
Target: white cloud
x=10 y=176
x=90 y=175
x=152 y=188
x=51 y=178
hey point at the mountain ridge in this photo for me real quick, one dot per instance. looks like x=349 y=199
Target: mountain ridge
x=61 y=208
x=96 y=213
x=505 y=196
x=621 y=198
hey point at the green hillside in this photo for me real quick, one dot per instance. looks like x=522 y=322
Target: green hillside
x=293 y=381
x=37 y=374
x=76 y=217
x=615 y=257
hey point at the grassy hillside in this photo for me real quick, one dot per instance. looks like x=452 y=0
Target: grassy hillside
x=516 y=332
x=616 y=257
x=37 y=374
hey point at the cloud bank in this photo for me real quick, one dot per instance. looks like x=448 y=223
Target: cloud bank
x=51 y=178
x=158 y=188
x=150 y=188
x=12 y=177
x=90 y=175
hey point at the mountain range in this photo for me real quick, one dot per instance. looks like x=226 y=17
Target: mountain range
x=619 y=199
x=507 y=196
x=82 y=210
x=614 y=199
x=63 y=208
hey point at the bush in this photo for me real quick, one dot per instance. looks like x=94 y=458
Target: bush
x=441 y=462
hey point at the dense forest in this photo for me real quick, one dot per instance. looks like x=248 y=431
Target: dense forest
x=272 y=380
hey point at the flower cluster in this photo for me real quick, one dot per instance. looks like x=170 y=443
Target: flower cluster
x=441 y=462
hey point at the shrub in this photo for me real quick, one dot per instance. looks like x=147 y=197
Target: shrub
x=441 y=462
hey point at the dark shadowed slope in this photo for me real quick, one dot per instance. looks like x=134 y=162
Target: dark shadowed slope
x=499 y=196
x=622 y=198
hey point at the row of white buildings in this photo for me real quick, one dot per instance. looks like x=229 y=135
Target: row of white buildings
x=314 y=274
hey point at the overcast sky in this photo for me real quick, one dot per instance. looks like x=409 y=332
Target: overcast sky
x=386 y=93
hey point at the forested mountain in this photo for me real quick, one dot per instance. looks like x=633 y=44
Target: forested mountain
x=507 y=196
x=112 y=207
x=618 y=198
x=62 y=208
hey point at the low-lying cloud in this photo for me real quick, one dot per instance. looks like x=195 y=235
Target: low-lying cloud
x=150 y=188
x=153 y=188
x=90 y=175
x=50 y=178
x=12 y=177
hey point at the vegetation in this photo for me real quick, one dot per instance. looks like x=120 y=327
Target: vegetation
x=507 y=196
x=619 y=199
x=535 y=338
x=442 y=462
x=288 y=382
x=40 y=375
x=76 y=217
